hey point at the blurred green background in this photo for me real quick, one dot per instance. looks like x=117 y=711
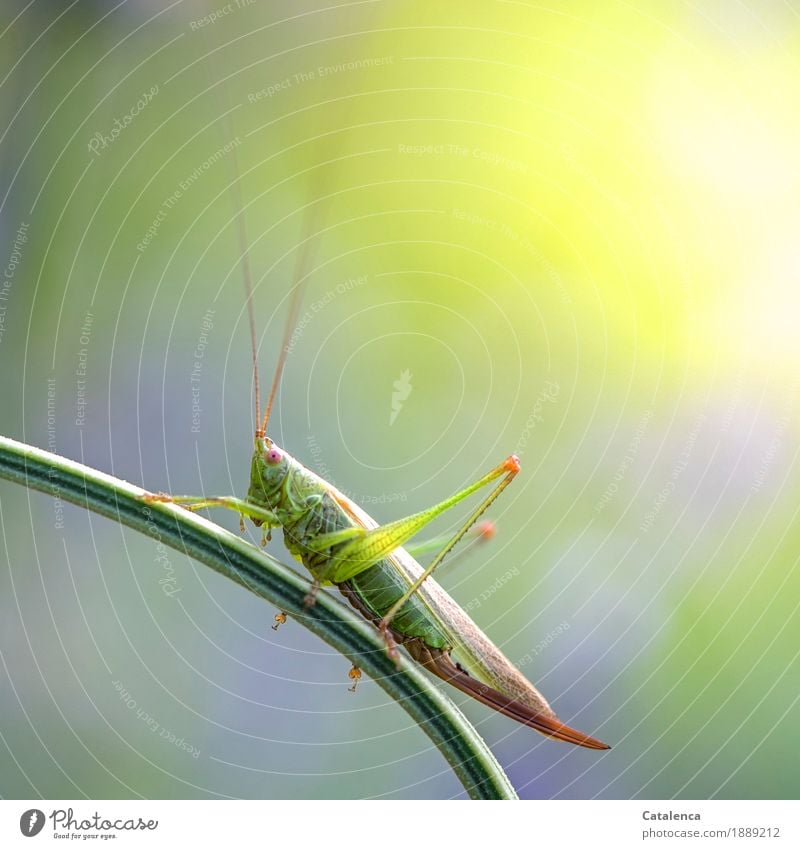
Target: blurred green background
x=575 y=226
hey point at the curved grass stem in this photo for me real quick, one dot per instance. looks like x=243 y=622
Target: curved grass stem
x=460 y=744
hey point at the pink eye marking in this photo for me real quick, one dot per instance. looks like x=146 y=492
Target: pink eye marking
x=274 y=456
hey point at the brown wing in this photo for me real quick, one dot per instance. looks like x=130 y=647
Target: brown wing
x=521 y=701
x=550 y=725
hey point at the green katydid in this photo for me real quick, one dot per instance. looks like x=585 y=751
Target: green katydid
x=341 y=545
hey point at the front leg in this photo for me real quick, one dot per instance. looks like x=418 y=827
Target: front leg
x=259 y=515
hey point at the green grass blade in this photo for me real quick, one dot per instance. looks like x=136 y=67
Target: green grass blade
x=465 y=751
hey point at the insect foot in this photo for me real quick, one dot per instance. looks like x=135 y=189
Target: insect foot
x=311 y=597
x=355 y=676
x=163 y=498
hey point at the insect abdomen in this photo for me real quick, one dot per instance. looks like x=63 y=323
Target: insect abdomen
x=377 y=587
x=380 y=586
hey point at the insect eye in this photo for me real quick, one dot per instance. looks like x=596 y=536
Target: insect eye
x=274 y=456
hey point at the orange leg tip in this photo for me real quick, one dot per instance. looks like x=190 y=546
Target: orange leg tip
x=512 y=464
x=355 y=676
x=486 y=530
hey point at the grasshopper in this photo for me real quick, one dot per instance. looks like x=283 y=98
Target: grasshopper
x=342 y=546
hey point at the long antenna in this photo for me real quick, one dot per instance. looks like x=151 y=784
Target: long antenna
x=244 y=253
x=300 y=278
x=291 y=321
x=302 y=271
x=244 y=242
x=301 y=274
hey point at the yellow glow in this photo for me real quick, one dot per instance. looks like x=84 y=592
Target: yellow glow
x=735 y=159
